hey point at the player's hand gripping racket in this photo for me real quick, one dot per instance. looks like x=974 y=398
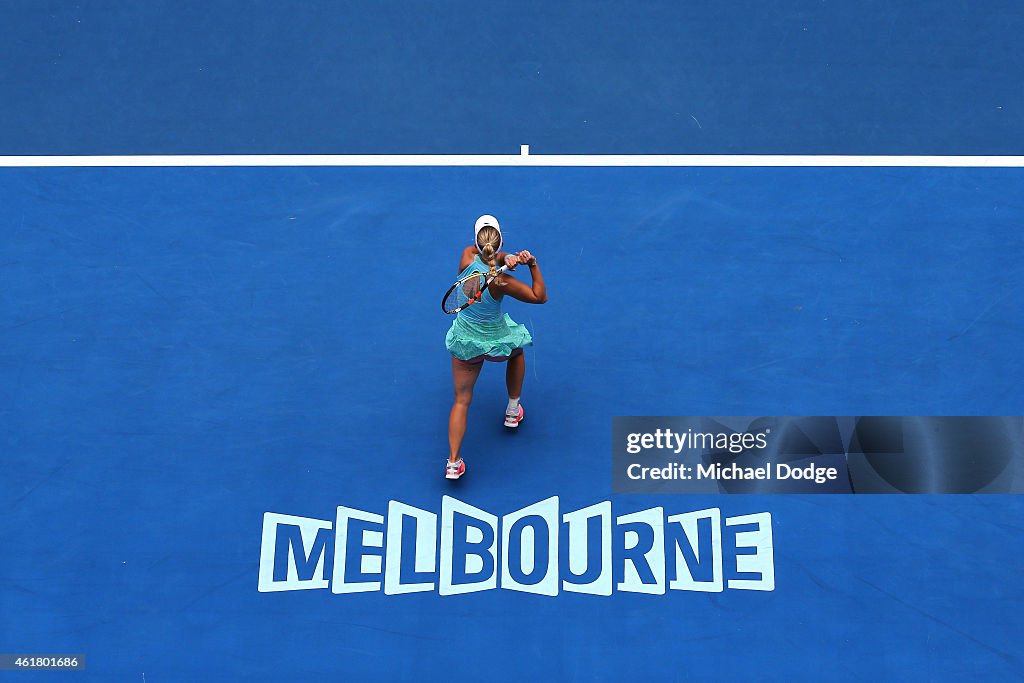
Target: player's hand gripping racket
x=468 y=290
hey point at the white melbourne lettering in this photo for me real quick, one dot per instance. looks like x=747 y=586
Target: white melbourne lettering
x=541 y=551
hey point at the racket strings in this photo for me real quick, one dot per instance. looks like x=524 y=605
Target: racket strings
x=471 y=288
x=464 y=293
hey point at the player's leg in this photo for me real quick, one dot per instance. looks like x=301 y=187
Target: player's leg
x=464 y=375
x=514 y=374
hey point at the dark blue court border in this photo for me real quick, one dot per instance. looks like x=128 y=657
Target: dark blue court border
x=782 y=77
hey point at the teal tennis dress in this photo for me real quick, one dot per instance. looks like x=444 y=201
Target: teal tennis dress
x=482 y=329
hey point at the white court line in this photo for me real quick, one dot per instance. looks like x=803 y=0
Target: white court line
x=525 y=158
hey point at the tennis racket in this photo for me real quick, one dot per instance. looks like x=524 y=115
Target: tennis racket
x=467 y=291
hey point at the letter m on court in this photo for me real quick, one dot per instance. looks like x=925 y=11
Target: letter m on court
x=294 y=553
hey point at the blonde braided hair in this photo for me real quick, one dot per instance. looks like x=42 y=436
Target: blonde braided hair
x=487 y=241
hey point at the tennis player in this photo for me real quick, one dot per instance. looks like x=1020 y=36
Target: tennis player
x=482 y=332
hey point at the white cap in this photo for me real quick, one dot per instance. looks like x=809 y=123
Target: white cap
x=487 y=219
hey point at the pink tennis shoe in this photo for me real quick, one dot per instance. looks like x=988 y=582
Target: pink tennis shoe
x=512 y=421
x=454 y=470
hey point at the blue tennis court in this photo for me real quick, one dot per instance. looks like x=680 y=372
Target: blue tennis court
x=187 y=349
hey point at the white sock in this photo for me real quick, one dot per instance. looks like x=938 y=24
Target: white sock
x=513 y=407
